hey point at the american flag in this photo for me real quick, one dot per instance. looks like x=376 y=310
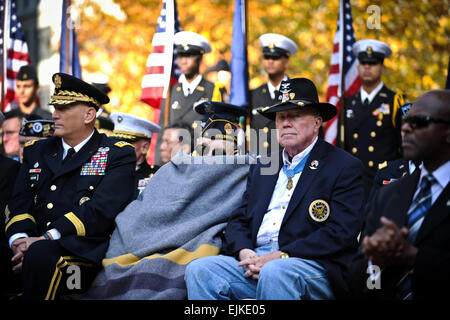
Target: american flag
x=161 y=69
x=342 y=60
x=16 y=48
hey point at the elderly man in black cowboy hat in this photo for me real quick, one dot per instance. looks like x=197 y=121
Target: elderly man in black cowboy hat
x=296 y=229
x=69 y=189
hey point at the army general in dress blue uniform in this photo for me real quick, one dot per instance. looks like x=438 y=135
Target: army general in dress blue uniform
x=69 y=190
x=296 y=230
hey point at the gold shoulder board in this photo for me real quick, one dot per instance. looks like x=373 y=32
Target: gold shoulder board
x=30 y=143
x=122 y=144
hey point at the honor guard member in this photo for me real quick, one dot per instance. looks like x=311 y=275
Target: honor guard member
x=276 y=50
x=191 y=87
x=69 y=190
x=221 y=133
x=34 y=127
x=138 y=132
x=27 y=90
x=372 y=116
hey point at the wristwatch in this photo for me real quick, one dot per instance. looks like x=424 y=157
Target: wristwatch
x=46 y=236
x=283 y=255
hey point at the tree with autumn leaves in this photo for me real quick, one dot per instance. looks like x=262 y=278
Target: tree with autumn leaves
x=117 y=42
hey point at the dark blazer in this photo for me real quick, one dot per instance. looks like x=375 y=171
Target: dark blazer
x=79 y=198
x=431 y=277
x=367 y=137
x=260 y=97
x=8 y=173
x=333 y=242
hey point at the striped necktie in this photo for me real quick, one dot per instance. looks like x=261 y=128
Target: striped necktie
x=420 y=206
x=416 y=214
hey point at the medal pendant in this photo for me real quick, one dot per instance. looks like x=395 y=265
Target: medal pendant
x=289 y=184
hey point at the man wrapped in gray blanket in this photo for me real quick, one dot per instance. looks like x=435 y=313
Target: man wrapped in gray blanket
x=180 y=216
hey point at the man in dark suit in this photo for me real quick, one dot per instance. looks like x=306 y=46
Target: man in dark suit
x=296 y=230
x=276 y=50
x=138 y=132
x=407 y=234
x=372 y=115
x=69 y=189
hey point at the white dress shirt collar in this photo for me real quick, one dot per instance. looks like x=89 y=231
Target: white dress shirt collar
x=189 y=87
x=77 y=148
x=272 y=88
x=371 y=95
x=298 y=157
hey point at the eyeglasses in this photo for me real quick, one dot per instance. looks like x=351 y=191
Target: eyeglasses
x=421 y=121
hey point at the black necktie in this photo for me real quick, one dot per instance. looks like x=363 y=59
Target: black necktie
x=69 y=155
x=366 y=102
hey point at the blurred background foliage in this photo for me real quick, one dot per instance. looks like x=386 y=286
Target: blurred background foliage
x=115 y=38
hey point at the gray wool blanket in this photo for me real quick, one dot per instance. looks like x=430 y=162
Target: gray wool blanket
x=178 y=217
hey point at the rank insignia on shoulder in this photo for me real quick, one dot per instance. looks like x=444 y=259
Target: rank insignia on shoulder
x=319 y=210
x=122 y=144
x=30 y=143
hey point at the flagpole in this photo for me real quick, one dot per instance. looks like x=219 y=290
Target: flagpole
x=249 y=108
x=166 y=105
x=342 y=80
x=3 y=55
x=67 y=37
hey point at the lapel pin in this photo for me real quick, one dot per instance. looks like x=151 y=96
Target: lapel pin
x=314 y=164
x=448 y=203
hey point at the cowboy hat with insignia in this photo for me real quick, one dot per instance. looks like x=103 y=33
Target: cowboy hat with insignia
x=36 y=126
x=371 y=51
x=70 y=90
x=131 y=128
x=222 y=117
x=277 y=45
x=191 y=43
x=298 y=93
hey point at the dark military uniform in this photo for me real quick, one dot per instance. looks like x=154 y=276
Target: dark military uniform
x=387 y=173
x=372 y=132
x=144 y=172
x=79 y=198
x=260 y=97
x=181 y=107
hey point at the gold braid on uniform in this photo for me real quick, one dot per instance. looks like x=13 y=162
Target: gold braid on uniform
x=399 y=100
x=67 y=97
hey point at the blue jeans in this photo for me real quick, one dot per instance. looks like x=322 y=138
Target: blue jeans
x=220 y=278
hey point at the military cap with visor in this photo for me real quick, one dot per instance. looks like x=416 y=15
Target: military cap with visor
x=36 y=126
x=277 y=45
x=371 y=51
x=223 y=120
x=131 y=128
x=70 y=90
x=191 y=43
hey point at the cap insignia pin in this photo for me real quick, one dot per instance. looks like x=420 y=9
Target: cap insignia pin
x=58 y=82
